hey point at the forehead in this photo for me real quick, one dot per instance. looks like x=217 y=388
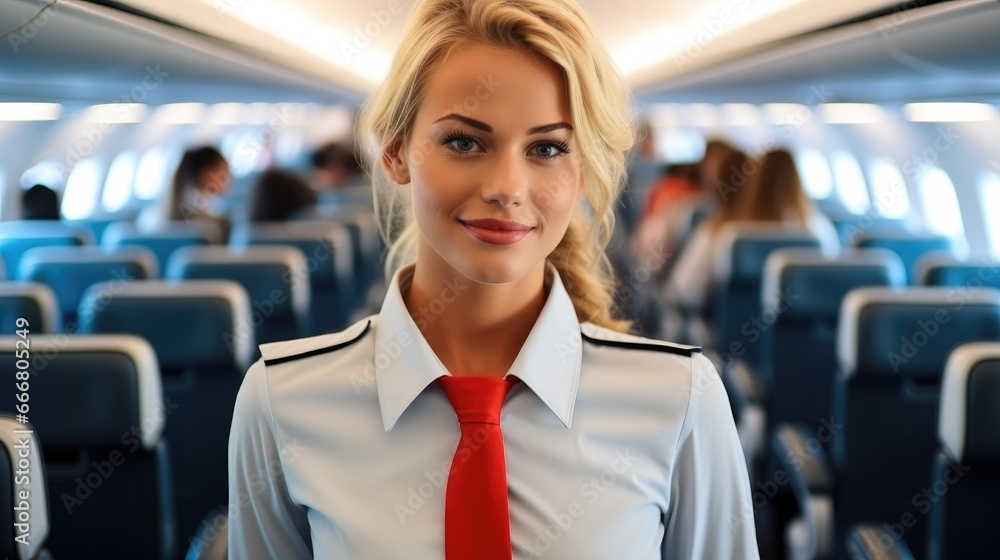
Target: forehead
x=490 y=83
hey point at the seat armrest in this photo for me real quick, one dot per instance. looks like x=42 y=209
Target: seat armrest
x=869 y=542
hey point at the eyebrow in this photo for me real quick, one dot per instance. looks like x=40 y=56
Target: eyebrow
x=487 y=128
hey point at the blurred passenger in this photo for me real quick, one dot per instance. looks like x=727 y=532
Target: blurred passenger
x=278 y=195
x=644 y=171
x=678 y=200
x=748 y=192
x=40 y=203
x=338 y=179
x=202 y=175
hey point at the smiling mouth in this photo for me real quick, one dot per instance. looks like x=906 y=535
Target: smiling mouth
x=497 y=232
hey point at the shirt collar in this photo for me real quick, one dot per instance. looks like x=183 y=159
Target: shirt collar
x=548 y=362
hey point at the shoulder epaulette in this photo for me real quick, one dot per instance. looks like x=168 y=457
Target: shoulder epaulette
x=605 y=337
x=281 y=352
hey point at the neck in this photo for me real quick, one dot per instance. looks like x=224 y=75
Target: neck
x=473 y=328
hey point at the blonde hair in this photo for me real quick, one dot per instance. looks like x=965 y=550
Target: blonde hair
x=603 y=120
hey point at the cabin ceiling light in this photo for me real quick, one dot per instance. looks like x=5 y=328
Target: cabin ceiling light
x=949 y=112
x=115 y=113
x=851 y=113
x=30 y=111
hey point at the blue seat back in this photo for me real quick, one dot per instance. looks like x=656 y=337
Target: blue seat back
x=18 y=237
x=942 y=268
x=326 y=246
x=892 y=347
x=741 y=250
x=33 y=302
x=203 y=336
x=801 y=298
x=968 y=463
x=163 y=241
x=909 y=247
x=69 y=271
x=275 y=278
x=97 y=406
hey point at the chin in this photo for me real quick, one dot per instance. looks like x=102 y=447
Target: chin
x=492 y=269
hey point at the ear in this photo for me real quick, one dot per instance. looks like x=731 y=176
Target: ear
x=394 y=162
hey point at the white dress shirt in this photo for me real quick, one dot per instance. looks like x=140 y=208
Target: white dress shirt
x=617 y=447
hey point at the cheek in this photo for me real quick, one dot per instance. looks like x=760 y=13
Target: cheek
x=434 y=191
x=557 y=198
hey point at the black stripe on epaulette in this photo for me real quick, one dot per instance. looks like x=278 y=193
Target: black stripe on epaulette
x=318 y=351
x=642 y=346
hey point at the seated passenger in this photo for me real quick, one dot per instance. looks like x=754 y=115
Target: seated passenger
x=201 y=176
x=337 y=177
x=766 y=192
x=40 y=203
x=278 y=195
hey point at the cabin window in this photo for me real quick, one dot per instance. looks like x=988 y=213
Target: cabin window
x=989 y=194
x=941 y=212
x=118 y=186
x=889 y=188
x=851 y=186
x=48 y=173
x=151 y=173
x=80 y=196
x=815 y=172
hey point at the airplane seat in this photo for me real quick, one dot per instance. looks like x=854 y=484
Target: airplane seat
x=326 y=247
x=203 y=336
x=741 y=250
x=24 y=506
x=942 y=268
x=365 y=245
x=892 y=346
x=162 y=241
x=97 y=225
x=909 y=246
x=34 y=302
x=69 y=271
x=965 y=481
x=18 y=237
x=850 y=227
x=96 y=402
x=276 y=280
x=803 y=289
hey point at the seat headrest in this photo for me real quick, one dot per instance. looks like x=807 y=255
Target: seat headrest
x=28 y=510
x=969 y=421
x=43 y=229
x=317 y=240
x=910 y=331
x=815 y=283
x=205 y=324
x=21 y=295
x=202 y=261
x=139 y=256
x=205 y=231
x=90 y=390
x=942 y=268
x=742 y=248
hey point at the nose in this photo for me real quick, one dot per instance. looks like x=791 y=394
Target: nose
x=506 y=181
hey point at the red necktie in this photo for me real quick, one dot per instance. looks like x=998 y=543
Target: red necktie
x=477 y=518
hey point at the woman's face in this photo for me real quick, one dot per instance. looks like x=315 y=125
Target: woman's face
x=492 y=163
x=214 y=179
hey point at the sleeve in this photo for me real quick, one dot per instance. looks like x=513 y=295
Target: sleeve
x=263 y=521
x=693 y=275
x=711 y=513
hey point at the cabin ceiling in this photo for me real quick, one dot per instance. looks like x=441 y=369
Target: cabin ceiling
x=337 y=50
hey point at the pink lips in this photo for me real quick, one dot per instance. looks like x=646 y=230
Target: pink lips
x=497 y=232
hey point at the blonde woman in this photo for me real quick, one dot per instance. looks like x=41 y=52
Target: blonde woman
x=493 y=409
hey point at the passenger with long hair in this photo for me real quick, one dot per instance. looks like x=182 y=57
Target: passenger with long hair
x=202 y=175
x=748 y=191
x=493 y=408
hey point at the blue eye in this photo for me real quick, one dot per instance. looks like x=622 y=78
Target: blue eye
x=559 y=147
x=459 y=143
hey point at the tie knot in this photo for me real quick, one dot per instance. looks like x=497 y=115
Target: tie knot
x=476 y=398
